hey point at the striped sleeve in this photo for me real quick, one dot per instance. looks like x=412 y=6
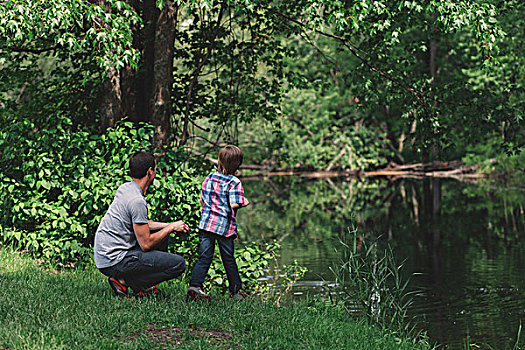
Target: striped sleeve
x=236 y=193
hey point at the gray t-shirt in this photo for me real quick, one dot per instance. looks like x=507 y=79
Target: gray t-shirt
x=115 y=235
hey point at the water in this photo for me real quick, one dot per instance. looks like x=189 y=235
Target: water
x=468 y=244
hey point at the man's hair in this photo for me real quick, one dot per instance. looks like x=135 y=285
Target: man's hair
x=140 y=162
x=230 y=159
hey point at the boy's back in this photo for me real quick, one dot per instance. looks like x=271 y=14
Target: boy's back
x=219 y=192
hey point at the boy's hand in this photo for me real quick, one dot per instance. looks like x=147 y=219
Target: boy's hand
x=236 y=206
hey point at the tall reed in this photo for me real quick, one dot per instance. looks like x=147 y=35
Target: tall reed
x=371 y=285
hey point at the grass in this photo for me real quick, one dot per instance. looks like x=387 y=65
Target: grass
x=40 y=309
x=373 y=285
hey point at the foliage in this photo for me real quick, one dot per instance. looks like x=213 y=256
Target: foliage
x=252 y=261
x=390 y=79
x=228 y=64
x=493 y=158
x=58 y=183
x=368 y=67
x=318 y=132
x=69 y=27
x=372 y=285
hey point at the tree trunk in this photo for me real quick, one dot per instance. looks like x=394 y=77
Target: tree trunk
x=145 y=96
x=111 y=99
x=160 y=105
x=436 y=182
x=150 y=14
x=128 y=76
x=111 y=109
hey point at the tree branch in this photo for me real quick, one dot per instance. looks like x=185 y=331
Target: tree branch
x=29 y=50
x=197 y=72
x=356 y=52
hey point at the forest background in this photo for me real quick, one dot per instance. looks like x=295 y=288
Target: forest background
x=305 y=85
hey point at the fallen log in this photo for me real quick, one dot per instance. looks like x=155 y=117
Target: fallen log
x=439 y=169
x=456 y=170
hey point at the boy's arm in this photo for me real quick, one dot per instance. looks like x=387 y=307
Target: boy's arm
x=239 y=205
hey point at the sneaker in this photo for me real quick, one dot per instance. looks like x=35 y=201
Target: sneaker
x=240 y=295
x=119 y=289
x=196 y=293
x=151 y=291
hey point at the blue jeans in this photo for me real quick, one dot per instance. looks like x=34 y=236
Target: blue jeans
x=207 y=248
x=142 y=270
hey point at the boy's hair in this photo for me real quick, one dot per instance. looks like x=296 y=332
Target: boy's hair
x=230 y=159
x=140 y=162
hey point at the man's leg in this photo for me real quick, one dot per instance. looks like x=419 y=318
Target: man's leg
x=228 y=260
x=206 y=247
x=142 y=270
x=117 y=283
x=162 y=245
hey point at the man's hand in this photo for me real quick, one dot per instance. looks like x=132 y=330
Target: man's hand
x=178 y=226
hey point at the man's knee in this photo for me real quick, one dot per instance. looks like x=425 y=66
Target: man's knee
x=178 y=266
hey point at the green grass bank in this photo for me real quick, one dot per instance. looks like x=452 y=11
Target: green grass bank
x=41 y=309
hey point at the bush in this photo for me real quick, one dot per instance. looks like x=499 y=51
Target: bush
x=58 y=184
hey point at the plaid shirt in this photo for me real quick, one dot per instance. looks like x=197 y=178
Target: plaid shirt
x=218 y=193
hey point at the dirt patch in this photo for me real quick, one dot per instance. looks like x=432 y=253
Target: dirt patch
x=171 y=336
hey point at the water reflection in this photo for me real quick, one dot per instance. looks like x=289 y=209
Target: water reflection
x=466 y=239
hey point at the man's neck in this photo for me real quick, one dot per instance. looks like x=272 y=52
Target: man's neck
x=143 y=184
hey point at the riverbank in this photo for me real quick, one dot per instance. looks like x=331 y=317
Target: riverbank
x=41 y=309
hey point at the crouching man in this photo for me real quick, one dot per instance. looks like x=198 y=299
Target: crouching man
x=131 y=250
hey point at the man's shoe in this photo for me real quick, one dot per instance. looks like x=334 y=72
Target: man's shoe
x=196 y=293
x=119 y=289
x=155 y=290
x=240 y=295
x=151 y=291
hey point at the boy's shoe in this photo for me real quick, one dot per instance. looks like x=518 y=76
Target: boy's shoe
x=119 y=289
x=151 y=291
x=240 y=295
x=196 y=293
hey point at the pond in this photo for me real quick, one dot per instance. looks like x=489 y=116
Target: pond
x=466 y=240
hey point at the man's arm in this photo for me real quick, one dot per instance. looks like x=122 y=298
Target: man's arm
x=148 y=240
x=156 y=226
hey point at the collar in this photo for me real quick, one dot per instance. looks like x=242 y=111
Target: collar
x=138 y=187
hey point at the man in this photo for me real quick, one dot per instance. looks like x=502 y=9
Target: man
x=130 y=249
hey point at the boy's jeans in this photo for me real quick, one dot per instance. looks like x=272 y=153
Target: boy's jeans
x=207 y=247
x=142 y=270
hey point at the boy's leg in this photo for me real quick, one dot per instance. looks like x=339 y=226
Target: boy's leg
x=226 y=248
x=206 y=247
x=142 y=270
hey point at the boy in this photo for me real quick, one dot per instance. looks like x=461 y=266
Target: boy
x=221 y=196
